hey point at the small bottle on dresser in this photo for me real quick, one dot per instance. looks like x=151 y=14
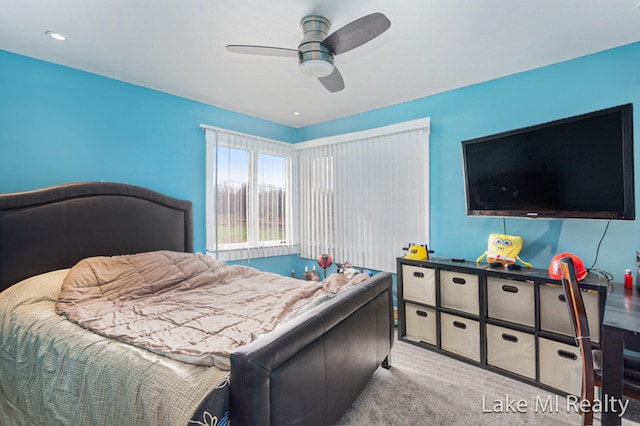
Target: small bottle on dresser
x=628 y=279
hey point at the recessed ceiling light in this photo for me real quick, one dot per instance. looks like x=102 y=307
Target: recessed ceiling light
x=57 y=36
x=296 y=113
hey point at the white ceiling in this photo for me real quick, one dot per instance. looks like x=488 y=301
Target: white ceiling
x=178 y=46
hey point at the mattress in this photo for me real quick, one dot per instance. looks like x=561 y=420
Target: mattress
x=53 y=371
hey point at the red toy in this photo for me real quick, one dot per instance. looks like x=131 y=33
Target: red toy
x=578 y=264
x=324 y=260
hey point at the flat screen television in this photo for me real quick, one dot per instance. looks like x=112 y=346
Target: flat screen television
x=577 y=167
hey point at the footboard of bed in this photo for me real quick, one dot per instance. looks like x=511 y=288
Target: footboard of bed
x=310 y=371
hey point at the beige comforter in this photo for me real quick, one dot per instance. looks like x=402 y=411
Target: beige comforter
x=186 y=306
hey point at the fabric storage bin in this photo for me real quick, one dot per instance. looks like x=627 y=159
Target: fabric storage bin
x=459 y=291
x=511 y=350
x=419 y=284
x=511 y=300
x=460 y=336
x=421 y=323
x=560 y=366
x=554 y=314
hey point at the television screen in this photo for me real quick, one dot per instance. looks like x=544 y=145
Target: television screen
x=577 y=167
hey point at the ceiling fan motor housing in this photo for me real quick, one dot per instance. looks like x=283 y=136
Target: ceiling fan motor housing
x=314 y=58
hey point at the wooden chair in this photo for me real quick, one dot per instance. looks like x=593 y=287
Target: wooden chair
x=580 y=325
x=591 y=359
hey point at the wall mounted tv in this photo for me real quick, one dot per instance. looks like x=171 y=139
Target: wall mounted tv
x=577 y=167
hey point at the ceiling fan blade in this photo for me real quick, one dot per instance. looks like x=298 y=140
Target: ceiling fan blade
x=357 y=33
x=262 y=50
x=333 y=82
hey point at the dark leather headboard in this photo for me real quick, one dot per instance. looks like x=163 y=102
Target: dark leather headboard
x=55 y=227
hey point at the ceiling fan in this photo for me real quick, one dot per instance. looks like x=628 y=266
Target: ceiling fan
x=316 y=50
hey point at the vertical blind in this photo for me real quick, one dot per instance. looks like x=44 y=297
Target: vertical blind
x=365 y=196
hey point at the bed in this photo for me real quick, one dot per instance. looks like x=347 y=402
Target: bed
x=307 y=371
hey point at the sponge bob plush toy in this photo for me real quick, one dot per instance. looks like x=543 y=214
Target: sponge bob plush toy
x=504 y=249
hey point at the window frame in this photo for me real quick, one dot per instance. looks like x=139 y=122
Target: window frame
x=254 y=146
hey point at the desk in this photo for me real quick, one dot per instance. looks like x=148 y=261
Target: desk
x=620 y=330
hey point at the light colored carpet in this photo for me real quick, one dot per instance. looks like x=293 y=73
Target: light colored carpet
x=426 y=388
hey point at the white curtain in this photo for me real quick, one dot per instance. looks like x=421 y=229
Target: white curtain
x=364 y=196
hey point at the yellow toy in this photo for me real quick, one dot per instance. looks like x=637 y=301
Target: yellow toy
x=504 y=249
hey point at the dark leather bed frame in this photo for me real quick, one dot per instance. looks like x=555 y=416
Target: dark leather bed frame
x=55 y=227
x=307 y=372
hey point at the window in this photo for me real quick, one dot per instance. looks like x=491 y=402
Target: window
x=249 y=203
x=365 y=195
x=232 y=177
x=360 y=197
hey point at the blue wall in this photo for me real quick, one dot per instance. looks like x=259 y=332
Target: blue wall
x=586 y=84
x=59 y=125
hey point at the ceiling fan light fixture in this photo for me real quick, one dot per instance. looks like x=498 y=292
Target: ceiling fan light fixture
x=316 y=67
